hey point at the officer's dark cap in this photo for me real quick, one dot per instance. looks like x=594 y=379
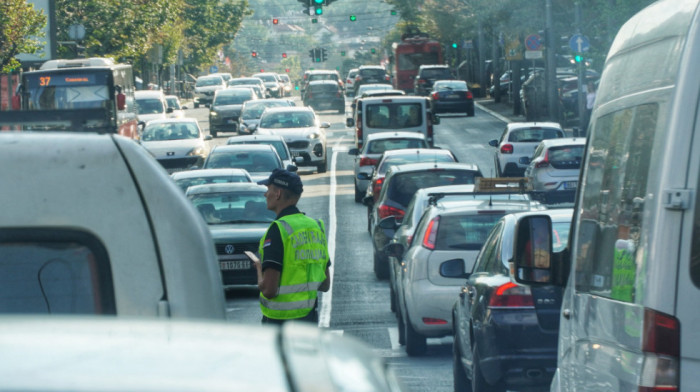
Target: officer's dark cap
x=284 y=179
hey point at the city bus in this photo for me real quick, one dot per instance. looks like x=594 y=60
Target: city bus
x=91 y=95
x=409 y=54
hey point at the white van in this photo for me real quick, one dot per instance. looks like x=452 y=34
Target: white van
x=390 y=114
x=630 y=311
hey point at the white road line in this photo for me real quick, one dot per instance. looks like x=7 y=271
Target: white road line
x=491 y=112
x=394 y=338
x=324 y=316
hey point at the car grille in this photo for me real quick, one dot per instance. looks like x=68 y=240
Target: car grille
x=178 y=163
x=299 y=145
x=237 y=248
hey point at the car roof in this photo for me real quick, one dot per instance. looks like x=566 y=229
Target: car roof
x=173 y=120
x=208 y=172
x=377 y=93
x=395 y=134
x=395 y=98
x=564 y=141
x=322 y=71
x=325 y=81
x=544 y=124
x=434 y=66
x=255 y=137
x=413 y=151
x=289 y=109
x=420 y=166
x=462 y=206
x=243 y=147
x=225 y=187
x=372 y=67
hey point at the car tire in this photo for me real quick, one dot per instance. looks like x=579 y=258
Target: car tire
x=381 y=266
x=416 y=344
x=321 y=167
x=460 y=381
x=479 y=383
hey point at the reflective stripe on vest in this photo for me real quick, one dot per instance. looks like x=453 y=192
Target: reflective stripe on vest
x=303 y=267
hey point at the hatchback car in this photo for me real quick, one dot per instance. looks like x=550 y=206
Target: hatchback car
x=226 y=109
x=188 y=178
x=322 y=74
x=368 y=74
x=505 y=334
x=400 y=185
x=451 y=96
x=368 y=156
x=259 y=160
x=519 y=139
x=449 y=232
x=350 y=81
x=174 y=109
x=237 y=216
x=205 y=87
x=151 y=105
x=427 y=75
x=304 y=133
x=554 y=169
x=177 y=143
x=324 y=95
x=275 y=141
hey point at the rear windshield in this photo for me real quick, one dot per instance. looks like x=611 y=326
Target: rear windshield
x=277 y=144
x=565 y=157
x=526 y=135
x=412 y=158
x=326 y=88
x=253 y=162
x=465 y=232
x=373 y=73
x=393 y=115
x=185 y=183
x=379 y=146
x=313 y=77
x=436 y=73
x=404 y=185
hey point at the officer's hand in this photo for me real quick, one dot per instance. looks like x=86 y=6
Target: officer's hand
x=253 y=258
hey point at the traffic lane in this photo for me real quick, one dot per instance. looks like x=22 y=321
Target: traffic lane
x=468 y=137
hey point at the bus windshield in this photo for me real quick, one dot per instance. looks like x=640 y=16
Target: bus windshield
x=411 y=61
x=67 y=90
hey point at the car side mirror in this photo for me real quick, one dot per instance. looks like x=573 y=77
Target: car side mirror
x=208 y=137
x=185 y=107
x=532 y=252
x=364 y=176
x=354 y=151
x=325 y=125
x=389 y=223
x=349 y=122
x=524 y=161
x=252 y=127
x=493 y=143
x=453 y=268
x=394 y=249
x=169 y=110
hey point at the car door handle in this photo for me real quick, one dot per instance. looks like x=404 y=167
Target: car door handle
x=566 y=313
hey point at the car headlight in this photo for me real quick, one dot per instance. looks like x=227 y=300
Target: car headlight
x=198 y=151
x=314 y=135
x=213 y=113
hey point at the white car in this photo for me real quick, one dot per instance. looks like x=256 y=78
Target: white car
x=519 y=139
x=205 y=87
x=253 y=110
x=258 y=159
x=177 y=143
x=302 y=130
x=174 y=109
x=150 y=105
x=554 y=169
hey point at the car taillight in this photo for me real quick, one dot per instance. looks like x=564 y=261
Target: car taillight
x=431 y=234
x=377 y=187
x=661 y=344
x=433 y=321
x=358 y=126
x=507 y=149
x=385 y=211
x=436 y=96
x=544 y=162
x=387 y=78
x=365 y=161
x=470 y=95
x=510 y=295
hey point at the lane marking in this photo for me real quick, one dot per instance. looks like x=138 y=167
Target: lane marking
x=324 y=315
x=394 y=337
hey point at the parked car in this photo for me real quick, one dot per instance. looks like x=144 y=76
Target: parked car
x=174 y=109
x=554 y=169
x=205 y=87
x=237 y=216
x=302 y=130
x=505 y=334
x=253 y=110
x=400 y=184
x=226 y=109
x=177 y=143
x=519 y=139
x=368 y=157
x=451 y=96
x=275 y=141
x=188 y=178
x=427 y=75
x=371 y=74
x=259 y=160
x=151 y=105
x=450 y=233
x=91 y=232
x=272 y=82
x=350 y=82
x=324 y=95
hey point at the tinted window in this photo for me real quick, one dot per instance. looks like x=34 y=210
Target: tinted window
x=287 y=120
x=54 y=272
x=565 y=157
x=169 y=131
x=327 y=88
x=404 y=185
x=609 y=227
x=393 y=115
x=278 y=145
x=373 y=73
x=412 y=158
x=253 y=162
x=149 y=106
x=529 y=135
x=465 y=232
x=411 y=61
x=436 y=73
x=379 y=146
x=233 y=98
x=490 y=253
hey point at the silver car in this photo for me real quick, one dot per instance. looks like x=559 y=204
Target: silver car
x=205 y=87
x=302 y=130
x=556 y=165
x=177 y=143
x=448 y=230
x=519 y=140
x=275 y=141
x=259 y=160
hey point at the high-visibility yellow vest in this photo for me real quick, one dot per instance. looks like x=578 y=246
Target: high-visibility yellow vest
x=304 y=267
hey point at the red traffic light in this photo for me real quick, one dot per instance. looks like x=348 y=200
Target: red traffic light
x=284 y=55
x=275 y=21
x=254 y=54
x=286 y=70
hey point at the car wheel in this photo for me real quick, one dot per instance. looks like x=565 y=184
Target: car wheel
x=321 y=168
x=416 y=344
x=459 y=376
x=381 y=266
x=479 y=383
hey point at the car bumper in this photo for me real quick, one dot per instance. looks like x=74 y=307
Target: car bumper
x=427 y=300
x=236 y=268
x=312 y=151
x=453 y=107
x=203 y=99
x=224 y=123
x=326 y=103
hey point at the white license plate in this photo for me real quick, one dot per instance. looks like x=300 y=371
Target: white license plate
x=570 y=184
x=296 y=154
x=453 y=96
x=234 y=265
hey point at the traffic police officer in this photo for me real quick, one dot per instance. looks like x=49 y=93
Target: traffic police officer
x=294 y=255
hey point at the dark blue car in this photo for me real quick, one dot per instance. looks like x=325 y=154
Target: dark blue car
x=451 y=96
x=505 y=335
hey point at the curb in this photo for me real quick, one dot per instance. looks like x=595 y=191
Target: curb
x=494 y=114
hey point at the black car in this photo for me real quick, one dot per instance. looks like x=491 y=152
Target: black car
x=226 y=109
x=325 y=95
x=451 y=96
x=400 y=184
x=505 y=334
x=427 y=75
x=367 y=74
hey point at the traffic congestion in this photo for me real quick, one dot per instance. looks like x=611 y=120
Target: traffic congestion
x=364 y=228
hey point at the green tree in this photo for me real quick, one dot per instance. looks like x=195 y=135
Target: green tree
x=19 y=22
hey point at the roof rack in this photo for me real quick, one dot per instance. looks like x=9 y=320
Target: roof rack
x=489 y=186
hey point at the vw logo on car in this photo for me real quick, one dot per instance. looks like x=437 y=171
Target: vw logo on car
x=229 y=249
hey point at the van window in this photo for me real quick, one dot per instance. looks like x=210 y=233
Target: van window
x=54 y=272
x=613 y=203
x=394 y=115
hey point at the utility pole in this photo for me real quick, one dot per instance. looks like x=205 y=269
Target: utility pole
x=580 y=65
x=551 y=68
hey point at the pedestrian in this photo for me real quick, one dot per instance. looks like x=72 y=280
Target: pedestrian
x=294 y=263
x=590 y=102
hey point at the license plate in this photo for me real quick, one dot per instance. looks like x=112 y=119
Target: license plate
x=570 y=184
x=234 y=265
x=296 y=154
x=453 y=96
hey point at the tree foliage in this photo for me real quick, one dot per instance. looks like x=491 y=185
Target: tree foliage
x=19 y=22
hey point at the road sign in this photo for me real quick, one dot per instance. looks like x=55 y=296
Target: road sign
x=533 y=42
x=213 y=69
x=579 y=43
x=533 y=54
x=513 y=51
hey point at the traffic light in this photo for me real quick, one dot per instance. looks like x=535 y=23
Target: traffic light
x=254 y=54
x=312 y=54
x=284 y=55
x=324 y=54
x=373 y=51
x=275 y=21
x=578 y=58
x=319 y=10
x=314 y=20
x=393 y=12
x=318 y=7
x=454 y=45
x=342 y=53
x=353 y=18
x=286 y=70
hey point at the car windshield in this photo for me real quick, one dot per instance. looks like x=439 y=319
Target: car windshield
x=208 y=82
x=465 y=232
x=531 y=135
x=267 y=78
x=255 y=110
x=451 y=85
x=412 y=158
x=235 y=98
x=277 y=144
x=149 y=106
x=169 y=131
x=185 y=183
x=232 y=207
x=287 y=120
x=253 y=162
x=436 y=73
x=379 y=146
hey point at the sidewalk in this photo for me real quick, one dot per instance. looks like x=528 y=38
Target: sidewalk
x=504 y=112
